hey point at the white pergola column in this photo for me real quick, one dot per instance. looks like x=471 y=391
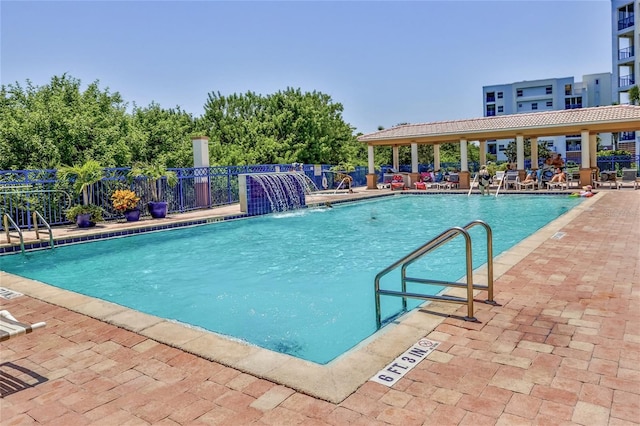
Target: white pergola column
x=396 y=158
x=483 y=153
x=464 y=161
x=436 y=157
x=372 y=177
x=414 y=157
x=534 y=153
x=593 y=150
x=201 y=159
x=585 y=153
x=519 y=152
x=586 y=177
x=371 y=158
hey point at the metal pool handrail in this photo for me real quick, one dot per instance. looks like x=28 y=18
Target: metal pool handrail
x=431 y=245
x=6 y=219
x=36 y=215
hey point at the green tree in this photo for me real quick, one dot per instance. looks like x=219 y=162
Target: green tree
x=165 y=134
x=511 y=150
x=58 y=123
x=634 y=95
x=286 y=127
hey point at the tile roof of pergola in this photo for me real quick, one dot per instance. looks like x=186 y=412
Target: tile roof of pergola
x=604 y=119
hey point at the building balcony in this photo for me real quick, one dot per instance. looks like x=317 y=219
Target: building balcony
x=625 y=22
x=626 y=80
x=627 y=136
x=572 y=106
x=626 y=53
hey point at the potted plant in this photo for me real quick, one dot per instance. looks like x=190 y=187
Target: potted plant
x=156 y=174
x=126 y=201
x=83 y=178
x=85 y=216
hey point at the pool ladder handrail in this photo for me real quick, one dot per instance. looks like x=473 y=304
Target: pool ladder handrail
x=426 y=248
x=475 y=178
x=36 y=215
x=6 y=220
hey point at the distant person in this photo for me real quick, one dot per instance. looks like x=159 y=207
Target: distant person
x=557 y=161
x=530 y=177
x=558 y=176
x=484 y=180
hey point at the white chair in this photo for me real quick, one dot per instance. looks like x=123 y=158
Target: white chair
x=607 y=177
x=629 y=177
x=525 y=185
x=510 y=179
x=11 y=327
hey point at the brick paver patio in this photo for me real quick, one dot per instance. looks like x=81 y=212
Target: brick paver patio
x=563 y=348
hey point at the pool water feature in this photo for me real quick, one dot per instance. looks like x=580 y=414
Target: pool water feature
x=300 y=283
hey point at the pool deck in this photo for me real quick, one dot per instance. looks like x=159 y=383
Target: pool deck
x=563 y=347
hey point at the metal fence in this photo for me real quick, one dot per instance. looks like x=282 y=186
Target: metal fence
x=25 y=191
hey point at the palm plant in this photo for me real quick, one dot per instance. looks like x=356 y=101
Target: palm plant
x=155 y=172
x=83 y=178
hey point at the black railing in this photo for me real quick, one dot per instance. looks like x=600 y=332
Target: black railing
x=625 y=22
x=626 y=80
x=625 y=53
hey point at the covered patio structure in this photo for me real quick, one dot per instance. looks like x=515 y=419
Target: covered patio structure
x=587 y=122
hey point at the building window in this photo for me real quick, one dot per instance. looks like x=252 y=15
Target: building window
x=501 y=147
x=491 y=110
x=519 y=92
x=534 y=106
x=491 y=96
x=491 y=148
x=549 y=90
x=567 y=89
x=597 y=81
x=550 y=103
x=499 y=95
x=519 y=105
x=500 y=108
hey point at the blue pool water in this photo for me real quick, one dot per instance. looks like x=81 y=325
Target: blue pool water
x=300 y=283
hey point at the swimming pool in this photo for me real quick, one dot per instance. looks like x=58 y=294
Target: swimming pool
x=299 y=283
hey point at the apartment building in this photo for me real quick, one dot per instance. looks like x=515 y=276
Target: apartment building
x=548 y=95
x=625 y=62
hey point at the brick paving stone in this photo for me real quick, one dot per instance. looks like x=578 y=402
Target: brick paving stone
x=590 y=414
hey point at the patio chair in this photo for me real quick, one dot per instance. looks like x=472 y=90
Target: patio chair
x=510 y=179
x=397 y=182
x=525 y=185
x=452 y=182
x=11 y=327
x=607 y=177
x=629 y=177
x=498 y=179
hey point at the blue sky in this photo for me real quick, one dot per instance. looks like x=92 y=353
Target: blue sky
x=385 y=62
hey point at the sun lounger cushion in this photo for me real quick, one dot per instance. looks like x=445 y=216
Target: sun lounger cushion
x=10 y=327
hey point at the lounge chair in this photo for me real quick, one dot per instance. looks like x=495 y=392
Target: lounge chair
x=629 y=177
x=452 y=182
x=397 y=182
x=607 y=177
x=525 y=185
x=11 y=327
